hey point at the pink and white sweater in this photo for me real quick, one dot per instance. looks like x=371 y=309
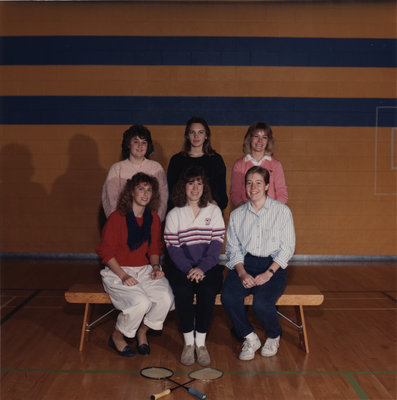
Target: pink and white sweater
x=123 y=170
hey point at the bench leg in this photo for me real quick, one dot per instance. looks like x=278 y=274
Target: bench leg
x=84 y=328
x=302 y=328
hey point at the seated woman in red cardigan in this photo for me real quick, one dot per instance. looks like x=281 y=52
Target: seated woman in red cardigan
x=133 y=277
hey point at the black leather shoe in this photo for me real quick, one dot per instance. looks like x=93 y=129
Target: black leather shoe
x=126 y=352
x=143 y=349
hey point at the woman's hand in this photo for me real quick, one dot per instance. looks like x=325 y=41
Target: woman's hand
x=157 y=273
x=128 y=280
x=247 y=280
x=263 y=278
x=195 y=274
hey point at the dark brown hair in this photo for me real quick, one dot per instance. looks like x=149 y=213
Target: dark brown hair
x=179 y=197
x=126 y=198
x=207 y=148
x=259 y=126
x=136 y=130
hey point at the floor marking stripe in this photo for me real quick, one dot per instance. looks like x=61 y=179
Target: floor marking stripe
x=8 y=302
x=79 y=371
x=17 y=308
x=359 y=390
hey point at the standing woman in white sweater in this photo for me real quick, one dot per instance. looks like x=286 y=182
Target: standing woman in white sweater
x=136 y=148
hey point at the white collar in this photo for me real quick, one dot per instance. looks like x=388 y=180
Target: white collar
x=248 y=157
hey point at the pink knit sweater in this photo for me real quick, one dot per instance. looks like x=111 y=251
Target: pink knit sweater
x=277 y=187
x=123 y=170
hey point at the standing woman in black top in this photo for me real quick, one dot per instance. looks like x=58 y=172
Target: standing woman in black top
x=197 y=150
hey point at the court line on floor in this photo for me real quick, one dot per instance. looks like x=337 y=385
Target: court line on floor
x=19 y=306
x=105 y=371
x=8 y=302
x=348 y=375
x=389 y=296
x=137 y=372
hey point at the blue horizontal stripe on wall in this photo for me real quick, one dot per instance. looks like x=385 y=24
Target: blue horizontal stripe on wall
x=221 y=51
x=122 y=110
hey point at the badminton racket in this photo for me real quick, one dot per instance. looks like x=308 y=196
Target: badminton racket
x=166 y=373
x=203 y=374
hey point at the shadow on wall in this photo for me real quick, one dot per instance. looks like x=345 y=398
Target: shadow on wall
x=159 y=156
x=76 y=199
x=71 y=218
x=24 y=204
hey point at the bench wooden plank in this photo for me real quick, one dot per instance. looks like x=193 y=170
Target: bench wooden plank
x=87 y=293
x=294 y=295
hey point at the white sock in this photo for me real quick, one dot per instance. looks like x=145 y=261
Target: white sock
x=189 y=338
x=200 y=339
x=251 y=337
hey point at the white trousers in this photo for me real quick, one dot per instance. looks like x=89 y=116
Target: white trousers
x=148 y=301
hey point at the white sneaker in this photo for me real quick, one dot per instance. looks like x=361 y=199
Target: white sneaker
x=249 y=349
x=270 y=347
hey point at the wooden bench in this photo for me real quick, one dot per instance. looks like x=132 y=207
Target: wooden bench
x=296 y=296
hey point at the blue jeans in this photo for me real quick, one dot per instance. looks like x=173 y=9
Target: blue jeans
x=265 y=297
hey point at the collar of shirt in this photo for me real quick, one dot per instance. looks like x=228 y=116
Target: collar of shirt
x=248 y=157
x=263 y=209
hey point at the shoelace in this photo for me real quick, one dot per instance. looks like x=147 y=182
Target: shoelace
x=247 y=344
x=270 y=345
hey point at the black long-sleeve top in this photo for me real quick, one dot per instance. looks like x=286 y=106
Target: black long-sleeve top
x=215 y=170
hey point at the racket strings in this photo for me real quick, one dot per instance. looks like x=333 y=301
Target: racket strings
x=206 y=374
x=156 y=373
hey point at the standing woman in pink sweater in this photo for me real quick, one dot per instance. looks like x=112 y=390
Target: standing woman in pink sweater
x=136 y=148
x=258 y=146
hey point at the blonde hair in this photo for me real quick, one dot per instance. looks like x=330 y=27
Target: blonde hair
x=259 y=126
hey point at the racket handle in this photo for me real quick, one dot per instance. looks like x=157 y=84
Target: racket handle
x=158 y=395
x=196 y=393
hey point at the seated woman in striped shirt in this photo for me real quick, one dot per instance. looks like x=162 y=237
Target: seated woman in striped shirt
x=260 y=242
x=194 y=234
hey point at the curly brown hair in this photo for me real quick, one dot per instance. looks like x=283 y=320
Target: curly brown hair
x=126 y=198
x=179 y=197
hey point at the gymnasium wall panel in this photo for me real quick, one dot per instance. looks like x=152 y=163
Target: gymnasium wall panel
x=75 y=75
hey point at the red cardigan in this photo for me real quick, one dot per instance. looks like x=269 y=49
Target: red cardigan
x=114 y=242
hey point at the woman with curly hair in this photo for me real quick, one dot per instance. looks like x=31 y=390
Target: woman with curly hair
x=194 y=234
x=258 y=147
x=136 y=148
x=130 y=248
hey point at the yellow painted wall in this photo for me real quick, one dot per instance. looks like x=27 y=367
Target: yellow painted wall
x=52 y=175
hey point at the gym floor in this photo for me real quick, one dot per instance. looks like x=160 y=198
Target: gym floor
x=352 y=338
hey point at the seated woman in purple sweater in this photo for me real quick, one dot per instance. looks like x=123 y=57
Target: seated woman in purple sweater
x=194 y=234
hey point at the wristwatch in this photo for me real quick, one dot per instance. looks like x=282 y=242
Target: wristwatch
x=272 y=271
x=158 y=265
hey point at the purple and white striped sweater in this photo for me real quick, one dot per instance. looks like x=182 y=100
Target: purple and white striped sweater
x=194 y=242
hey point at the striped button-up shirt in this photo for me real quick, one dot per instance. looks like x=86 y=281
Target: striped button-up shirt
x=268 y=232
